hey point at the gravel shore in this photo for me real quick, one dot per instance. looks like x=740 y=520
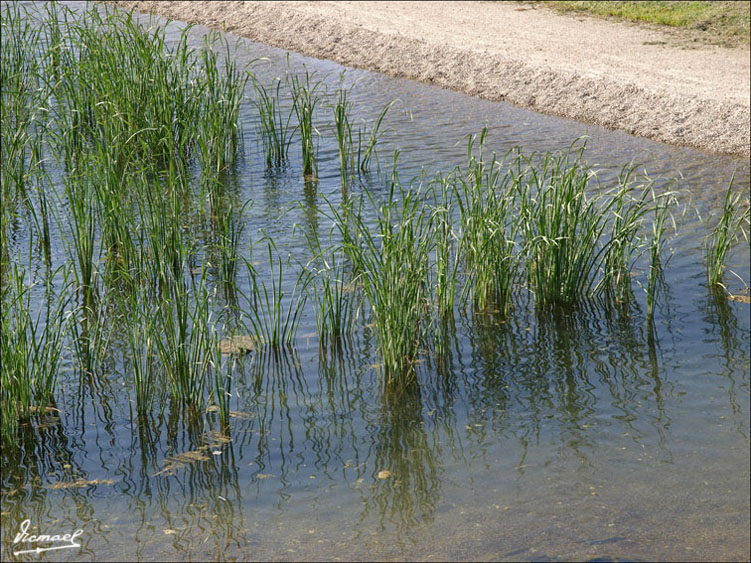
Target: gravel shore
x=639 y=79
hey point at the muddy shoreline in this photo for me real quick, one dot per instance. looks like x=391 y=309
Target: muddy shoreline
x=619 y=76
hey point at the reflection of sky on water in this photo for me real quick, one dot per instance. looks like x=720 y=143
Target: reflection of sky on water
x=583 y=434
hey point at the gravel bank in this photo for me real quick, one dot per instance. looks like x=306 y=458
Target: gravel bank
x=635 y=78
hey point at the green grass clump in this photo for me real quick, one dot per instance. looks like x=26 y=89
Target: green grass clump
x=24 y=98
x=354 y=158
x=274 y=128
x=335 y=309
x=561 y=227
x=186 y=341
x=723 y=23
x=655 y=278
x=305 y=98
x=735 y=213
x=30 y=351
x=343 y=129
x=628 y=211
x=220 y=89
x=393 y=263
x=271 y=319
x=446 y=256
x=488 y=226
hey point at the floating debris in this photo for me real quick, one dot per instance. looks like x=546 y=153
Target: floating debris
x=385 y=474
x=172 y=463
x=216 y=438
x=80 y=483
x=239 y=344
x=740 y=298
x=242 y=415
x=191 y=456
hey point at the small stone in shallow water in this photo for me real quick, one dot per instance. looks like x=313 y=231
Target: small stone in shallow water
x=239 y=344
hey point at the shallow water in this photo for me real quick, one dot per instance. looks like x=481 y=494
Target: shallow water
x=576 y=437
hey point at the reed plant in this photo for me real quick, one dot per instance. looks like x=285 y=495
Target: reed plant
x=222 y=390
x=488 y=230
x=366 y=150
x=335 y=309
x=272 y=314
x=130 y=88
x=230 y=229
x=167 y=248
x=30 y=349
x=655 y=277
x=305 y=97
x=274 y=128
x=735 y=213
x=221 y=89
x=354 y=159
x=141 y=352
x=186 y=340
x=343 y=129
x=23 y=99
x=392 y=259
x=91 y=330
x=83 y=247
x=562 y=229
x=447 y=249
x=113 y=199
x=630 y=206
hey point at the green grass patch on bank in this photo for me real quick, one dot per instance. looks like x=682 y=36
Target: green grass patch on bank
x=723 y=23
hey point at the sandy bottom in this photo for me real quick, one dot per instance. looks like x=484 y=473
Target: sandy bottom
x=640 y=79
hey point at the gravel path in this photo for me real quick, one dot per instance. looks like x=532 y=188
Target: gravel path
x=641 y=79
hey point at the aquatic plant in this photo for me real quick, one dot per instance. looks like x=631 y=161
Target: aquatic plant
x=83 y=247
x=724 y=236
x=563 y=228
x=220 y=92
x=273 y=320
x=446 y=257
x=655 y=277
x=274 y=129
x=351 y=158
x=23 y=100
x=393 y=261
x=222 y=391
x=141 y=352
x=487 y=230
x=305 y=98
x=30 y=349
x=186 y=340
x=343 y=130
x=335 y=309
x=624 y=242
x=367 y=150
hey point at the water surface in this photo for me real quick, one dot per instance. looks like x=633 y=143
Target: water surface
x=583 y=435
